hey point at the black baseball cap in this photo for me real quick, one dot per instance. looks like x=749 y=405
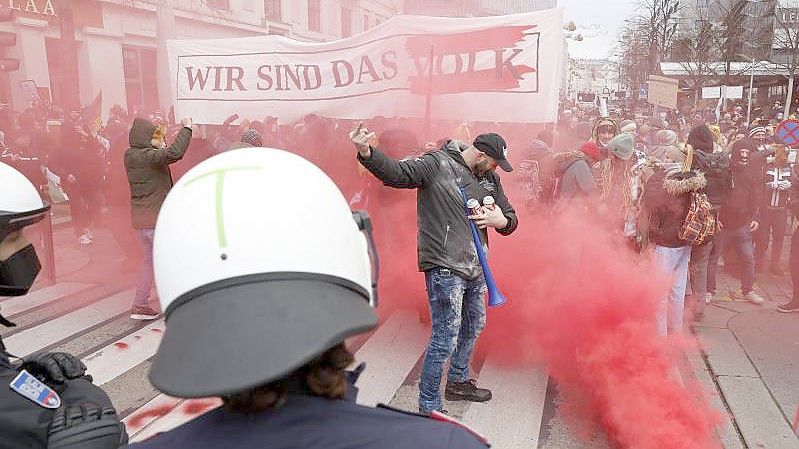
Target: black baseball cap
x=494 y=145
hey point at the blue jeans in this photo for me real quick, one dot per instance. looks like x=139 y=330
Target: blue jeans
x=458 y=316
x=145 y=284
x=674 y=262
x=741 y=237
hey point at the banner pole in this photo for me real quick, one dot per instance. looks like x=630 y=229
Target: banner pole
x=429 y=100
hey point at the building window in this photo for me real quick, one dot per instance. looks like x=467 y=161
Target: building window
x=346 y=22
x=272 y=10
x=314 y=15
x=141 y=87
x=218 y=4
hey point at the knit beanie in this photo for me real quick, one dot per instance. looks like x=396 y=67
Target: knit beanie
x=756 y=130
x=622 y=146
x=666 y=137
x=251 y=137
x=628 y=126
x=591 y=150
x=701 y=138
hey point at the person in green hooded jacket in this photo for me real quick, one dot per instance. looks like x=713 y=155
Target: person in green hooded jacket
x=147 y=164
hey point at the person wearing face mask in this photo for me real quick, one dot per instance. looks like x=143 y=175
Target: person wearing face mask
x=739 y=217
x=447 y=254
x=773 y=210
x=47 y=400
x=147 y=164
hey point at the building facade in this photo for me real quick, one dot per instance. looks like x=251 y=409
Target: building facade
x=68 y=51
x=473 y=8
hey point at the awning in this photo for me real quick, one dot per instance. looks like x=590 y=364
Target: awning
x=687 y=69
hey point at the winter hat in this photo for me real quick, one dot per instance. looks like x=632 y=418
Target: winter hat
x=622 y=146
x=628 y=126
x=701 y=138
x=757 y=130
x=666 y=137
x=251 y=137
x=591 y=150
x=739 y=145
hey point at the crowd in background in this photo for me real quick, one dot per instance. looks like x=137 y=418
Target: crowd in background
x=611 y=159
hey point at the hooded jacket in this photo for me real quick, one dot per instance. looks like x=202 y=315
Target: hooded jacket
x=444 y=234
x=148 y=171
x=743 y=203
x=666 y=199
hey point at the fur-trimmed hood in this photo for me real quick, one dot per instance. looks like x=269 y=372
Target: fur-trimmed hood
x=679 y=183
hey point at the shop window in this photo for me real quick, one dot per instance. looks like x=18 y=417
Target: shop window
x=346 y=22
x=272 y=10
x=314 y=15
x=141 y=85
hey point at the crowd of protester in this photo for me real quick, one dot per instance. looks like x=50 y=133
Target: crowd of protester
x=618 y=160
x=650 y=166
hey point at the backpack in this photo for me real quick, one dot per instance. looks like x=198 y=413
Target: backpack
x=535 y=177
x=700 y=221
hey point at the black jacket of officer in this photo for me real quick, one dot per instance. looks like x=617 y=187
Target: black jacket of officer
x=311 y=422
x=84 y=419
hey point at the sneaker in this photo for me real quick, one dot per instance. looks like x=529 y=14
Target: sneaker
x=466 y=391
x=430 y=412
x=143 y=313
x=84 y=239
x=754 y=298
x=792 y=306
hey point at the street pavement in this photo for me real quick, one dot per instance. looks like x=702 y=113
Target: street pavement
x=747 y=360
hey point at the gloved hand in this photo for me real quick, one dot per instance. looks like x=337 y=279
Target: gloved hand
x=86 y=426
x=54 y=368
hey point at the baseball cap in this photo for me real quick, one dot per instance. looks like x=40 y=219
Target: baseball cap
x=494 y=145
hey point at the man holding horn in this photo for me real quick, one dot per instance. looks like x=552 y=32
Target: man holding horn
x=454 y=278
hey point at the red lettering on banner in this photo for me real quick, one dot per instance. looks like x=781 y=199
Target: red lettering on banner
x=460 y=51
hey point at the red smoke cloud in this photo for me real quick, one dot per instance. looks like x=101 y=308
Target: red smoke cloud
x=581 y=302
x=584 y=304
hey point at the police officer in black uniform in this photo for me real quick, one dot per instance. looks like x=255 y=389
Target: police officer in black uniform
x=46 y=401
x=263 y=272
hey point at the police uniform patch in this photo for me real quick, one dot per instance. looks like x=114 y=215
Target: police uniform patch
x=32 y=388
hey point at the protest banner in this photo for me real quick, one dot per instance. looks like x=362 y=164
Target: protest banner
x=501 y=68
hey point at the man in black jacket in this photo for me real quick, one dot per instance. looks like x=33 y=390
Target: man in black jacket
x=739 y=220
x=447 y=255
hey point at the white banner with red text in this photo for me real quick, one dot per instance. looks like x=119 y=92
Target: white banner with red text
x=496 y=69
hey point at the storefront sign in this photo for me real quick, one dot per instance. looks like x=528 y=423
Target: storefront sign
x=499 y=69
x=38 y=7
x=787 y=18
